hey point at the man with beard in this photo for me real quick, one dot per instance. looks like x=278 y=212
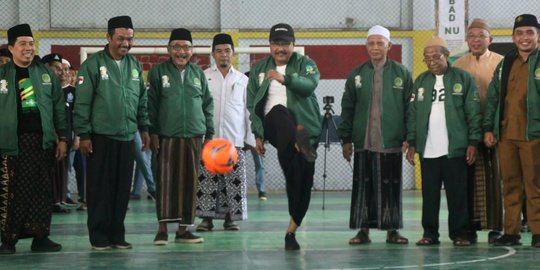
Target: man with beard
x=223 y=196
x=109 y=109
x=512 y=122
x=181 y=115
x=374 y=105
x=33 y=120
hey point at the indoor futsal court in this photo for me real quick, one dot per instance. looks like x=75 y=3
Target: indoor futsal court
x=259 y=243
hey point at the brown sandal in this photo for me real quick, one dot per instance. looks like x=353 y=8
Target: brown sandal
x=426 y=241
x=395 y=238
x=460 y=242
x=360 y=239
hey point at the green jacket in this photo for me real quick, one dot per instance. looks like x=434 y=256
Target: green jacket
x=111 y=101
x=50 y=100
x=180 y=108
x=301 y=79
x=356 y=103
x=462 y=110
x=496 y=96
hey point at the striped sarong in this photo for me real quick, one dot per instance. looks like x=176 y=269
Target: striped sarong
x=177 y=178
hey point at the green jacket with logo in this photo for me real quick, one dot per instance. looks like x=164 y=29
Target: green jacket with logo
x=180 y=108
x=301 y=79
x=462 y=110
x=50 y=101
x=496 y=96
x=356 y=103
x=111 y=100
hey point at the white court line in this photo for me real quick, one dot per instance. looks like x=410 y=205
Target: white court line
x=510 y=252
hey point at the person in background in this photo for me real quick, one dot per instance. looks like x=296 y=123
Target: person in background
x=5 y=56
x=259 y=174
x=77 y=161
x=223 y=196
x=484 y=182
x=143 y=172
x=60 y=179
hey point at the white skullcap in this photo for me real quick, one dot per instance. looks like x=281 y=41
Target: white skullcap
x=379 y=30
x=64 y=61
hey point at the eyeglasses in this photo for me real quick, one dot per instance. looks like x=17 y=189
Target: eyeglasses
x=474 y=37
x=181 y=47
x=433 y=58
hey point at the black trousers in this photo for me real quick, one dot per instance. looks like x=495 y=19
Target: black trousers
x=453 y=172
x=280 y=131
x=109 y=175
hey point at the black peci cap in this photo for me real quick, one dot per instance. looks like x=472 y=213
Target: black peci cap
x=525 y=20
x=51 y=58
x=21 y=30
x=222 y=39
x=180 y=34
x=119 y=22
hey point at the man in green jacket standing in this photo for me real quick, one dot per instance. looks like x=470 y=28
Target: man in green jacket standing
x=109 y=109
x=512 y=120
x=373 y=110
x=284 y=110
x=181 y=112
x=444 y=127
x=33 y=121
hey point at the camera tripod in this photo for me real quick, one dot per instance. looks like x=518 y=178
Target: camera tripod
x=328 y=117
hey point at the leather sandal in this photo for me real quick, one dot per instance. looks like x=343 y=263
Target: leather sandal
x=461 y=242
x=427 y=241
x=394 y=237
x=360 y=238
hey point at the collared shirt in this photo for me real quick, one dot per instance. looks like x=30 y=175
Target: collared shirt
x=481 y=69
x=231 y=117
x=514 y=124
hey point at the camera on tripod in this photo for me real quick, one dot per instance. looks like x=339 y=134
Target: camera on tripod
x=328 y=99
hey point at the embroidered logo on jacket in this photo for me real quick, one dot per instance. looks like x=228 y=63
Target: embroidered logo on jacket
x=46 y=78
x=165 y=81
x=358 y=81
x=3 y=87
x=81 y=80
x=197 y=83
x=261 y=78
x=398 y=83
x=537 y=74
x=310 y=69
x=135 y=75
x=421 y=94
x=458 y=89
x=103 y=73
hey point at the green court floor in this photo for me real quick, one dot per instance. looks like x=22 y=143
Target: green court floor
x=259 y=243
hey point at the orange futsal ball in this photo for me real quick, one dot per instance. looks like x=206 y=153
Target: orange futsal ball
x=219 y=156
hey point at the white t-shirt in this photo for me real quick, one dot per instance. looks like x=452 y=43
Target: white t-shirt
x=437 y=138
x=277 y=92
